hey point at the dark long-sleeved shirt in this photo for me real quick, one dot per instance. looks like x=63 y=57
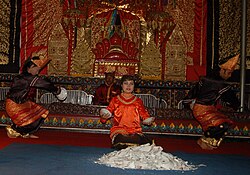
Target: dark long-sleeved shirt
x=210 y=89
x=24 y=85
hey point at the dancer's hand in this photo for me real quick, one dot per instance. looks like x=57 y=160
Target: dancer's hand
x=104 y=113
x=148 y=121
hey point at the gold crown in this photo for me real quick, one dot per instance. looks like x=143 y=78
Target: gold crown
x=231 y=63
x=43 y=59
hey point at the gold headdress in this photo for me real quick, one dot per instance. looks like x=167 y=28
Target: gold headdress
x=231 y=63
x=43 y=59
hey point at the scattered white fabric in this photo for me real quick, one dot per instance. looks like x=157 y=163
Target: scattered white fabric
x=146 y=156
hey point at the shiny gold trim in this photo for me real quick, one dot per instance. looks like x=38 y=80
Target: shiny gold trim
x=11 y=132
x=45 y=115
x=211 y=141
x=116 y=132
x=124 y=102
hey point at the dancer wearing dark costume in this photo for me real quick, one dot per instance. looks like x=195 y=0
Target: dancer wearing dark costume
x=26 y=115
x=203 y=98
x=106 y=91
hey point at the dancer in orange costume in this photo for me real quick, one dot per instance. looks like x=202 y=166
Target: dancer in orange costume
x=128 y=113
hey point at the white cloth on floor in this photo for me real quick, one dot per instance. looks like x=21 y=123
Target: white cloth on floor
x=146 y=156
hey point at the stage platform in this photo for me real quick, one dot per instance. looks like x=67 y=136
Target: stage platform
x=85 y=118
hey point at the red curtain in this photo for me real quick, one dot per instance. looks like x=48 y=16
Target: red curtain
x=37 y=21
x=200 y=47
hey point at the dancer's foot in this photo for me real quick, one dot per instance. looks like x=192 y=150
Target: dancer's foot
x=33 y=136
x=205 y=146
x=30 y=136
x=11 y=133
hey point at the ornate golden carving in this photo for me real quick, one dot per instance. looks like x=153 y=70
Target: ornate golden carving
x=119 y=67
x=4 y=59
x=46 y=15
x=133 y=30
x=176 y=50
x=248 y=64
x=151 y=60
x=4 y=31
x=97 y=28
x=229 y=28
x=83 y=58
x=58 y=52
x=183 y=14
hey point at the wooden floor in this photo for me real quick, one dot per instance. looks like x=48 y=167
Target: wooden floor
x=169 y=143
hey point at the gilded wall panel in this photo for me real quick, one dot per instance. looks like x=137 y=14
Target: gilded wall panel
x=176 y=58
x=83 y=58
x=151 y=61
x=46 y=15
x=229 y=28
x=58 y=52
x=133 y=30
x=4 y=31
x=97 y=29
x=183 y=14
